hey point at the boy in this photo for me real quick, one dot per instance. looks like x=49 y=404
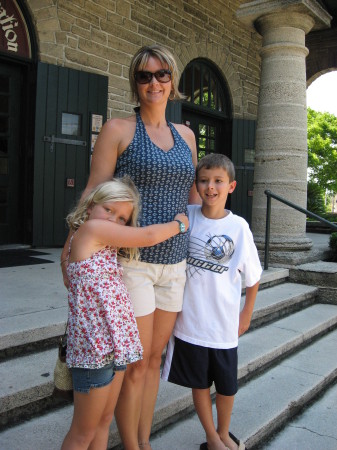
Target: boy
x=203 y=348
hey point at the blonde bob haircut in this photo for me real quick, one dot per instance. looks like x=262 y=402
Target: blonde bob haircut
x=167 y=60
x=116 y=190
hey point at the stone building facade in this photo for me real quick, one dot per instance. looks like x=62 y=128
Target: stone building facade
x=102 y=36
x=251 y=54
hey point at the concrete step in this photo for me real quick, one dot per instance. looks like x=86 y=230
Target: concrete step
x=319 y=273
x=36 y=322
x=279 y=301
x=313 y=429
x=32 y=331
x=258 y=350
x=267 y=402
x=35 y=389
x=33 y=305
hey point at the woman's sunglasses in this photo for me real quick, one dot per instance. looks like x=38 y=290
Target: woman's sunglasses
x=162 y=76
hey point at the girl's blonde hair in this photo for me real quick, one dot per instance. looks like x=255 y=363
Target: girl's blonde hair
x=116 y=190
x=166 y=58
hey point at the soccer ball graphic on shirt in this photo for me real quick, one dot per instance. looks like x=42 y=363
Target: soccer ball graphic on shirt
x=219 y=248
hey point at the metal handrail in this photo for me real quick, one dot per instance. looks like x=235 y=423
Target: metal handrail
x=270 y=195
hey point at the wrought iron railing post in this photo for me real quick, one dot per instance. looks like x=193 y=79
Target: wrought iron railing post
x=271 y=195
x=266 y=243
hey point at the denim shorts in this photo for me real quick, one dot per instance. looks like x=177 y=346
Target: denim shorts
x=85 y=379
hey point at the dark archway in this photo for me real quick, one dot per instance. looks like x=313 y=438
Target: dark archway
x=207 y=107
x=18 y=57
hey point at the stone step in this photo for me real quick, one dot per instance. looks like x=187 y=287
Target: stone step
x=313 y=429
x=267 y=402
x=319 y=273
x=279 y=301
x=31 y=332
x=36 y=322
x=257 y=350
x=35 y=389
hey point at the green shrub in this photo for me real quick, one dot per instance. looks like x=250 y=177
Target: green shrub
x=315 y=199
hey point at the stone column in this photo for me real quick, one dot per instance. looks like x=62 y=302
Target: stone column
x=281 y=135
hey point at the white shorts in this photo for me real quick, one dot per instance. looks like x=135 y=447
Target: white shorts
x=154 y=286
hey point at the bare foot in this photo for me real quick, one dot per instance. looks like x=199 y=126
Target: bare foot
x=145 y=446
x=216 y=444
x=229 y=443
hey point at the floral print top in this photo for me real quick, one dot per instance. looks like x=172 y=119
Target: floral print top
x=101 y=322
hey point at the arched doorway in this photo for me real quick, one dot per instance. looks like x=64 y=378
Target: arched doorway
x=207 y=107
x=17 y=99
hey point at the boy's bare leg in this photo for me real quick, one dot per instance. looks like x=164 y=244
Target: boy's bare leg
x=224 y=407
x=203 y=405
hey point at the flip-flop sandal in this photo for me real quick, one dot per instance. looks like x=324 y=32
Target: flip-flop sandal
x=204 y=446
x=238 y=442
x=241 y=445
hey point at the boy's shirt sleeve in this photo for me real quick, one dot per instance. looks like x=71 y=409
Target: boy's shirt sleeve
x=250 y=262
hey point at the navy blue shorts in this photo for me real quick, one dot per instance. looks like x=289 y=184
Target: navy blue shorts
x=199 y=367
x=85 y=379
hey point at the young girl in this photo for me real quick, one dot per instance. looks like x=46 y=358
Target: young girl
x=102 y=330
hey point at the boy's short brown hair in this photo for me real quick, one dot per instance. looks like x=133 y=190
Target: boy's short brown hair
x=214 y=160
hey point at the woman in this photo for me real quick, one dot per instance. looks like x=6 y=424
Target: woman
x=160 y=158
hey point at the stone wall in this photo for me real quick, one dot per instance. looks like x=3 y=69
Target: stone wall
x=102 y=35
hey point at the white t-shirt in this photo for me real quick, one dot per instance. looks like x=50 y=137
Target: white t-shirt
x=219 y=250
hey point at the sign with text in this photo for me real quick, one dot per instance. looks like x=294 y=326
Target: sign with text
x=14 y=35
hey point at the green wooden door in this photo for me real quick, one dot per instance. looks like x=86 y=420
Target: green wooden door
x=243 y=145
x=66 y=101
x=10 y=169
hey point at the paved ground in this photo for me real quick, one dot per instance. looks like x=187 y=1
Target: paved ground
x=34 y=294
x=39 y=287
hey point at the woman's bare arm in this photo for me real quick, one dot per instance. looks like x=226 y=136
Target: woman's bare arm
x=114 y=137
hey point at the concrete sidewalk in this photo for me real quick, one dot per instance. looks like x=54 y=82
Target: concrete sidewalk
x=39 y=288
x=32 y=297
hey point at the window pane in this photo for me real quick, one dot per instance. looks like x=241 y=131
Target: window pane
x=185 y=85
x=205 y=88
x=71 y=124
x=202 y=142
x=197 y=80
x=202 y=129
x=213 y=94
x=201 y=154
x=220 y=104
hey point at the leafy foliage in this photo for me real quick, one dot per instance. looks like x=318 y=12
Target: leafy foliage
x=322 y=149
x=315 y=200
